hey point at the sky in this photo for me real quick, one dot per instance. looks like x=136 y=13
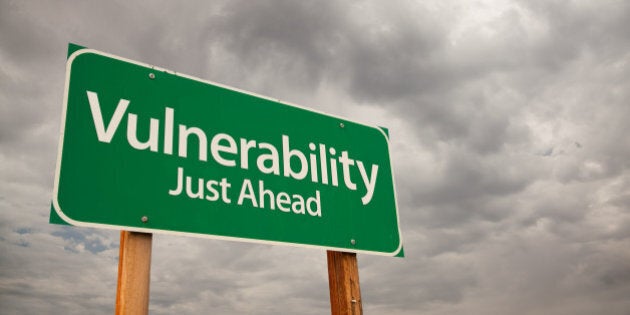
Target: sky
x=508 y=123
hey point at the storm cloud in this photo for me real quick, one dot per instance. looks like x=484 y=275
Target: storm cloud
x=509 y=141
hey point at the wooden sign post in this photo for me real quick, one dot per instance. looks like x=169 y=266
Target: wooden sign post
x=134 y=273
x=343 y=280
x=98 y=90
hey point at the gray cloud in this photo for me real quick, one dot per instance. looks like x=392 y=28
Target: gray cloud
x=508 y=133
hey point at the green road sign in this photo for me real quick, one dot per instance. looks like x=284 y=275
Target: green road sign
x=149 y=150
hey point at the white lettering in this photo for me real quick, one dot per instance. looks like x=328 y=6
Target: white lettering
x=184 y=132
x=272 y=156
x=106 y=134
x=345 y=168
x=132 y=134
x=216 y=147
x=247 y=192
x=180 y=183
x=287 y=154
x=245 y=146
x=169 y=114
x=369 y=183
x=315 y=162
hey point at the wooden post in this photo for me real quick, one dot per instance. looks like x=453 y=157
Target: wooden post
x=134 y=272
x=343 y=280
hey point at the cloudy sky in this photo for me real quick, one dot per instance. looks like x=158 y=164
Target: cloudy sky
x=509 y=128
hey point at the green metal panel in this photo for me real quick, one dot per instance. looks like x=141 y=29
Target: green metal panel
x=329 y=179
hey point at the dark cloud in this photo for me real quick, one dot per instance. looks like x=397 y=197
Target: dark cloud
x=301 y=39
x=508 y=133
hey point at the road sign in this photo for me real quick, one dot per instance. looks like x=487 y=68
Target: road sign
x=150 y=150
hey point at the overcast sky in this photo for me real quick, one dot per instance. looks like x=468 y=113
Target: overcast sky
x=510 y=141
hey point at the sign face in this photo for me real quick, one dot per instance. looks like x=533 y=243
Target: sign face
x=149 y=150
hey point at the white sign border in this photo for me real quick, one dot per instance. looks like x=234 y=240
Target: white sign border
x=70 y=221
